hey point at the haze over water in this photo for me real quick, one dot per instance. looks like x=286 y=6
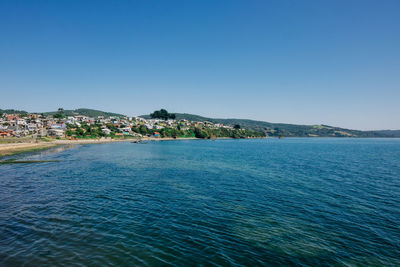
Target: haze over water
x=298 y=201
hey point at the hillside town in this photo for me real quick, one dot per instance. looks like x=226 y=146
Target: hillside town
x=79 y=126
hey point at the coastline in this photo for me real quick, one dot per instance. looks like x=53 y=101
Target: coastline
x=18 y=148
x=9 y=149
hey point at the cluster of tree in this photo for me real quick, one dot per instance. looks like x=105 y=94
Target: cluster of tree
x=224 y=132
x=59 y=114
x=283 y=129
x=92 y=131
x=162 y=114
x=83 y=112
x=200 y=133
x=13 y=111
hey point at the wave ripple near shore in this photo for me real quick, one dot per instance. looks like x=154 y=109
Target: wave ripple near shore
x=224 y=202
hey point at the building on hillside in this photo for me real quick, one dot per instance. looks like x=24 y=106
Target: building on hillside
x=41 y=133
x=56 y=132
x=106 y=131
x=58 y=126
x=4 y=134
x=21 y=121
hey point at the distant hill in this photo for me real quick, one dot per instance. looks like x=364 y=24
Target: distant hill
x=290 y=130
x=12 y=111
x=86 y=112
x=389 y=133
x=272 y=129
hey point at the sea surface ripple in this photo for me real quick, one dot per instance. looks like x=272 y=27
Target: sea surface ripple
x=293 y=201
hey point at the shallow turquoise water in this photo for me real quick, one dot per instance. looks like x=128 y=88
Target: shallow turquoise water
x=226 y=202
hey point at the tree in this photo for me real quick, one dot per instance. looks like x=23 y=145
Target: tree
x=69 y=132
x=200 y=133
x=174 y=133
x=237 y=126
x=143 y=130
x=135 y=129
x=162 y=114
x=80 y=131
x=59 y=114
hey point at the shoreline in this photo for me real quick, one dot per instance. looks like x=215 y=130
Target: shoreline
x=18 y=147
x=9 y=149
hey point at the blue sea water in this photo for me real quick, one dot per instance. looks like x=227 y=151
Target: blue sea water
x=293 y=201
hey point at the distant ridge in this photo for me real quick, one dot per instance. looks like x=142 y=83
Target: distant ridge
x=290 y=130
x=86 y=112
x=272 y=129
x=11 y=111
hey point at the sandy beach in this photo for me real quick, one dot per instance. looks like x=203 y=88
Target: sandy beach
x=16 y=148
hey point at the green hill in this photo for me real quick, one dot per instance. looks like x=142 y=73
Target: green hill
x=290 y=130
x=389 y=133
x=271 y=129
x=86 y=112
x=12 y=111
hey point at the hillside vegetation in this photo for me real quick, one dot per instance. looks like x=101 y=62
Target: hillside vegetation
x=12 y=111
x=290 y=130
x=270 y=129
x=86 y=112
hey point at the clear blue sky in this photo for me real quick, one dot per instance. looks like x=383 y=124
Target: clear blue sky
x=307 y=62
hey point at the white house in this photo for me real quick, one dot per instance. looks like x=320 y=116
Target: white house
x=106 y=131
